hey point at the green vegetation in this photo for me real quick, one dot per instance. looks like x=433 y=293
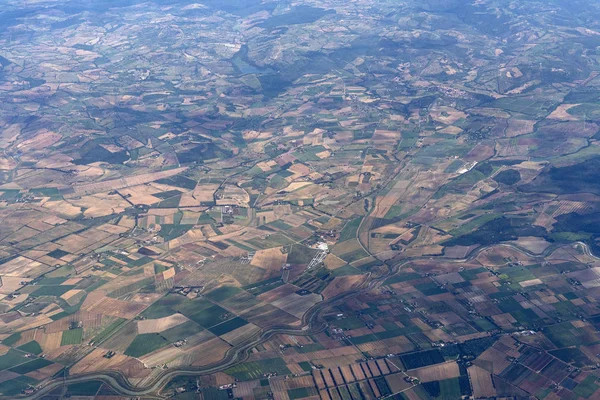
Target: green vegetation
x=71 y=336
x=349 y=231
x=497 y=230
x=256 y=369
x=223 y=293
x=144 y=344
x=108 y=331
x=508 y=177
x=11 y=358
x=300 y=393
x=587 y=387
x=354 y=255
x=163 y=307
x=32 y=347
x=52 y=290
x=12 y=339
x=576 y=178
x=421 y=358
x=30 y=366
x=181 y=331
x=15 y=386
x=300 y=254
x=89 y=388
x=171 y=231
x=228 y=326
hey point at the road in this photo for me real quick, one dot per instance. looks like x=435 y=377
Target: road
x=312 y=323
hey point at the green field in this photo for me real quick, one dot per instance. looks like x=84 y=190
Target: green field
x=349 y=230
x=11 y=358
x=52 y=290
x=300 y=393
x=144 y=344
x=182 y=331
x=210 y=317
x=72 y=336
x=32 y=347
x=89 y=388
x=228 y=326
x=163 y=307
x=12 y=339
x=31 y=366
x=223 y=293
x=256 y=369
x=587 y=387
x=274 y=240
x=300 y=254
x=354 y=255
x=108 y=331
x=13 y=387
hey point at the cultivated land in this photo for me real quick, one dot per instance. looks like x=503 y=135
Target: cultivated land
x=300 y=200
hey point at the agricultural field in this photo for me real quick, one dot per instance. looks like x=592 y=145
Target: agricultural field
x=300 y=200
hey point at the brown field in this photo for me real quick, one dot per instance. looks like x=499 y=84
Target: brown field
x=329 y=358
x=22 y=266
x=297 y=305
x=562 y=113
x=88 y=240
x=397 y=382
x=167 y=355
x=437 y=372
x=267 y=316
x=318 y=377
x=481 y=381
x=479 y=153
x=160 y=324
x=245 y=390
x=358 y=371
x=333 y=262
x=240 y=334
x=346 y=247
x=383 y=136
x=100 y=204
x=141 y=194
x=337 y=375
x=11 y=283
x=382 y=347
x=45 y=372
x=278 y=293
x=210 y=352
x=233 y=195
x=453 y=115
x=372 y=365
x=112 y=307
x=279 y=388
x=49 y=341
x=375 y=389
x=122 y=339
x=327 y=378
x=383 y=367
x=25 y=323
x=95 y=361
x=114 y=184
x=342 y=284
x=347 y=373
x=299 y=382
x=493 y=360
x=42 y=139
x=270 y=259
x=70 y=294
x=202 y=193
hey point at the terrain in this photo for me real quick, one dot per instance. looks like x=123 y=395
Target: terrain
x=299 y=199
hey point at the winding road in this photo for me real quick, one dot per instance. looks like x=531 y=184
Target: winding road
x=312 y=323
